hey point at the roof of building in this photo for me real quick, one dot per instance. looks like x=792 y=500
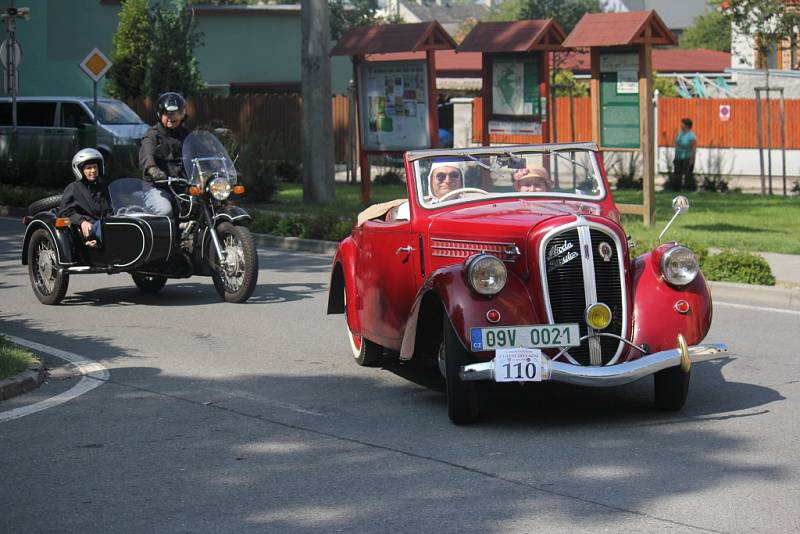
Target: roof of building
x=388 y=38
x=518 y=36
x=619 y=29
x=676 y=14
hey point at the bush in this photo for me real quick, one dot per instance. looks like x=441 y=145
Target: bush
x=306 y=226
x=288 y=171
x=742 y=267
x=22 y=197
x=796 y=187
x=626 y=168
x=257 y=169
x=389 y=178
x=714 y=184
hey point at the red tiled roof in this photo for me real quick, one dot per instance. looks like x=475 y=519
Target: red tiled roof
x=618 y=29
x=450 y=64
x=519 y=36
x=387 y=38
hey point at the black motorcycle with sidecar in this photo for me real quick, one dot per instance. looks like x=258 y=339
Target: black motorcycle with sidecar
x=208 y=237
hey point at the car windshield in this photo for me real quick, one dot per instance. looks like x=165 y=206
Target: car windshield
x=127 y=196
x=114 y=112
x=453 y=177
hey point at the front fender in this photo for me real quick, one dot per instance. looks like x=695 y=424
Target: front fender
x=448 y=289
x=232 y=214
x=62 y=238
x=342 y=287
x=656 y=322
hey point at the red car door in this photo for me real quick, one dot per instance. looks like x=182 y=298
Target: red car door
x=387 y=280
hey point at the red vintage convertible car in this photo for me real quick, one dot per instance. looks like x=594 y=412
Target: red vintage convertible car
x=508 y=264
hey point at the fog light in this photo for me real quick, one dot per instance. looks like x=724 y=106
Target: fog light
x=598 y=316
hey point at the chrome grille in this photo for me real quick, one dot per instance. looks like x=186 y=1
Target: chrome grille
x=567 y=259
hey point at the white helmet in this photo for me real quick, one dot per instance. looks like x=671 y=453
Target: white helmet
x=84 y=156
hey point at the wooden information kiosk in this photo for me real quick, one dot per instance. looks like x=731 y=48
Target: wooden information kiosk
x=621 y=46
x=395 y=99
x=516 y=77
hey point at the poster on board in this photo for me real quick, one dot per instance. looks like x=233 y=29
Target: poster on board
x=394 y=105
x=515 y=87
x=626 y=67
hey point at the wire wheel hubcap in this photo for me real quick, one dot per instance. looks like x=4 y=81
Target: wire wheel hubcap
x=233 y=265
x=46 y=271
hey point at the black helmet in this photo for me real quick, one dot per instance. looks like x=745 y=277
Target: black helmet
x=170 y=102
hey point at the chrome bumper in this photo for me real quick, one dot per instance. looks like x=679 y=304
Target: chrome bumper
x=610 y=375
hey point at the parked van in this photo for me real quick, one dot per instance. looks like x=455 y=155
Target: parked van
x=54 y=128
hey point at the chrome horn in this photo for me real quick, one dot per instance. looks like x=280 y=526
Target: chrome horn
x=681 y=205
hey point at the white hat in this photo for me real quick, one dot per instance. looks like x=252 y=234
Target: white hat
x=438 y=164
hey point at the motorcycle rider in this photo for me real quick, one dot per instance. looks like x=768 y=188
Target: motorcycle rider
x=85 y=201
x=161 y=153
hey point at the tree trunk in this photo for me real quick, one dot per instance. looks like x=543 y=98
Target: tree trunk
x=317 y=133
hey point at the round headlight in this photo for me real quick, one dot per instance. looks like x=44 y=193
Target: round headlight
x=486 y=274
x=679 y=266
x=219 y=188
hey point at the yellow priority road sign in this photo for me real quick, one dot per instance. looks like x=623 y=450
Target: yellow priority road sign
x=96 y=64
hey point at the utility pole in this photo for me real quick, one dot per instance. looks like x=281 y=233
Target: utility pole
x=317 y=133
x=11 y=53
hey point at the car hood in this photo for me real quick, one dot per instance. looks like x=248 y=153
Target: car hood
x=502 y=220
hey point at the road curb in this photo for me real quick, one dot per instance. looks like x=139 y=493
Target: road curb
x=786 y=298
x=23 y=382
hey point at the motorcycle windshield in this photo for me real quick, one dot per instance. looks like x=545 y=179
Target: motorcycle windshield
x=204 y=158
x=127 y=196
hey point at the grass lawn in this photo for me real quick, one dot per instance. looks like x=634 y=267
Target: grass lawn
x=289 y=199
x=13 y=358
x=752 y=223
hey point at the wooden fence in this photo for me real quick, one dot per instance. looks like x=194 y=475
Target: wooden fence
x=740 y=131
x=277 y=118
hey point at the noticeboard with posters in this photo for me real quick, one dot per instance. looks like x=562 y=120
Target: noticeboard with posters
x=394 y=105
x=515 y=87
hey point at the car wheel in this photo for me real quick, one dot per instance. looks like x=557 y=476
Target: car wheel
x=235 y=280
x=462 y=396
x=44 y=204
x=148 y=283
x=671 y=388
x=365 y=352
x=48 y=280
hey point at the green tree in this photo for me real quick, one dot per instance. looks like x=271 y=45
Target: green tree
x=566 y=12
x=171 y=64
x=346 y=14
x=710 y=30
x=666 y=86
x=566 y=77
x=130 y=48
x=767 y=22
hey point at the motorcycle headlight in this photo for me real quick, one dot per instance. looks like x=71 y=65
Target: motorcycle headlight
x=679 y=266
x=219 y=188
x=486 y=274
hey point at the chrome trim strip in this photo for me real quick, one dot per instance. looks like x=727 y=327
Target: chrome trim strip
x=580 y=221
x=141 y=253
x=605 y=375
x=589 y=288
x=510 y=251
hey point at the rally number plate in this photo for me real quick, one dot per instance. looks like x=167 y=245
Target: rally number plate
x=519 y=365
x=536 y=336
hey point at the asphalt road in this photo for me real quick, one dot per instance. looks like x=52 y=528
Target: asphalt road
x=254 y=418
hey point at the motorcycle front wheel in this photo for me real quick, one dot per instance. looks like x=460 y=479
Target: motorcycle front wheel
x=235 y=277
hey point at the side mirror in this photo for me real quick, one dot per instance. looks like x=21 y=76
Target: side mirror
x=681 y=205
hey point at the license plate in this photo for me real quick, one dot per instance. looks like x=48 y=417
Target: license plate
x=533 y=337
x=518 y=365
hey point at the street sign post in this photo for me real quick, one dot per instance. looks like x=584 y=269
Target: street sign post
x=95 y=65
x=11 y=55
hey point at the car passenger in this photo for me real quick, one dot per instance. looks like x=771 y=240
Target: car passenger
x=532 y=179
x=161 y=154
x=85 y=201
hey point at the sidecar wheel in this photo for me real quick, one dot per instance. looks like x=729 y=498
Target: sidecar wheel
x=148 y=283
x=235 y=280
x=48 y=280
